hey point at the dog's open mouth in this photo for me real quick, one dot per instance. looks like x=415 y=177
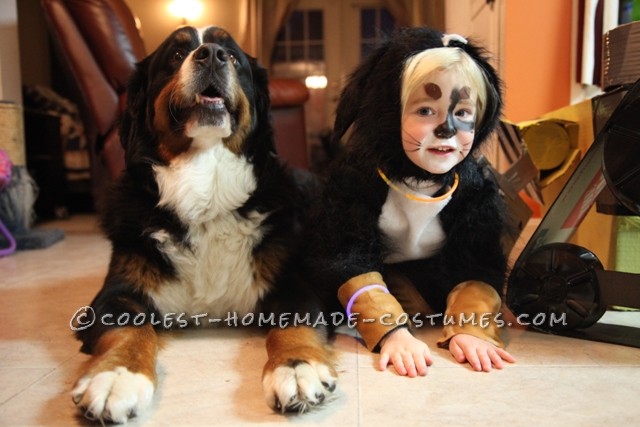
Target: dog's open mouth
x=210 y=98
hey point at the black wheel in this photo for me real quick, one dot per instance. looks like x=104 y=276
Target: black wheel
x=556 y=288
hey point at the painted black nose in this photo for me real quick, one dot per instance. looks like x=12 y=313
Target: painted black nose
x=211 y=55
x=444 y=131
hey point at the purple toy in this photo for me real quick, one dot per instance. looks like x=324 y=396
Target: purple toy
x=5 y=179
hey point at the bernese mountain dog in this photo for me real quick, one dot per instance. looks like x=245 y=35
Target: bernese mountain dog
x=346 y=239
x=200 y=221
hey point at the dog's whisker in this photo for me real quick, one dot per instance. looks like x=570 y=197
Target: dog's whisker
x=172 y=97
x=179 y=129
x=149 y=160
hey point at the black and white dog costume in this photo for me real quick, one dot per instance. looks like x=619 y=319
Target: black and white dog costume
x=370 y=234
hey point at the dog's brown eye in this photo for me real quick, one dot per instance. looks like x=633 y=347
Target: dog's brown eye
x=178 y=55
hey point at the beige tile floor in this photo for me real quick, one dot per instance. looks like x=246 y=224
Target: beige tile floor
x=212 y=377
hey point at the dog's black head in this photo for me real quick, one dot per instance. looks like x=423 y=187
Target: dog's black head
x=198 y=88
x=370 y=104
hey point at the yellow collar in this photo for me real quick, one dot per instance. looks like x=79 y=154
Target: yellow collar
x=418 y=198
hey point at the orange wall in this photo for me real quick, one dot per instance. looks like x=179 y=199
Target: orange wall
x=537 y=57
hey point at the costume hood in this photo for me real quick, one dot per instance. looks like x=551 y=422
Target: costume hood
x=370 y=105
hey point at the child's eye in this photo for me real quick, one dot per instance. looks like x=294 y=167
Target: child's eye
x=425 y=111
x=464 y=114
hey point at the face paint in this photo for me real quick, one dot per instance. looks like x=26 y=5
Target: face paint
x=438 y=123
x=433 y=90
x=451 y=125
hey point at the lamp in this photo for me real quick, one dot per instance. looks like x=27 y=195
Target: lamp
x=316 y=82
x=186 y=10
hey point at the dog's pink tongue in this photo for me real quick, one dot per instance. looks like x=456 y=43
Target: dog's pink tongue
x=214 y=102
x=211 y=100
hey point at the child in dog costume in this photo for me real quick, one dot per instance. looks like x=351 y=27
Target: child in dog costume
x=408 y=210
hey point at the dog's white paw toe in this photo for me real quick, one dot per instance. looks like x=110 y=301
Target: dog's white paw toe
x=113 y=396
x=298 y=387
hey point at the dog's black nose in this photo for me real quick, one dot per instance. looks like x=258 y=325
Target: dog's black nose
x=211 y=55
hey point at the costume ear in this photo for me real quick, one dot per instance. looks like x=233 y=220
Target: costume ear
x=494 y=103
x=136 y=103
x=493 y=110
x=348 y=105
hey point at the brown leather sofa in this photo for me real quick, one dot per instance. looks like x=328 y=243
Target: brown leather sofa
x=288 y=97
x=97 y=44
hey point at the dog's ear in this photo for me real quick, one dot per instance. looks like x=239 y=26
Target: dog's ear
x=347 y=109
x=136 y=103
x=261 y=89
x=263 y=129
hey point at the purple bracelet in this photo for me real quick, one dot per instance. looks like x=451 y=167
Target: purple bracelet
x=360 y=291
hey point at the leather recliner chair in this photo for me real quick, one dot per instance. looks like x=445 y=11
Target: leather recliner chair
x=98 y=44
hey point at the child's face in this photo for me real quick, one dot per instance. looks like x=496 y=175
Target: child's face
x=438 y=123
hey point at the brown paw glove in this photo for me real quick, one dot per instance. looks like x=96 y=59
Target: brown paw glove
x=477 y=304
x=374 y=310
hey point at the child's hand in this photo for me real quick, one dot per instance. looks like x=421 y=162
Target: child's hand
x=409 y=355
x=480 y=354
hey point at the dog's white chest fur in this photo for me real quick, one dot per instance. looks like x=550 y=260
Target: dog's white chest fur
x=215 y=271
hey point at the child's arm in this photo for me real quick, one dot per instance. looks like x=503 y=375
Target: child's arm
x=472 y=329
x=382 y=323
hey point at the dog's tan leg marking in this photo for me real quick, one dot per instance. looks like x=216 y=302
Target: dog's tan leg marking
x=119 y=380
x=136 y=270
x=300 y=372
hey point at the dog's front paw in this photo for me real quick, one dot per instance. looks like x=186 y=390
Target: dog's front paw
x=298 y=386
x=113 y=396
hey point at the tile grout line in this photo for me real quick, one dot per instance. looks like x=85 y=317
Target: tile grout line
x=28 y=386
